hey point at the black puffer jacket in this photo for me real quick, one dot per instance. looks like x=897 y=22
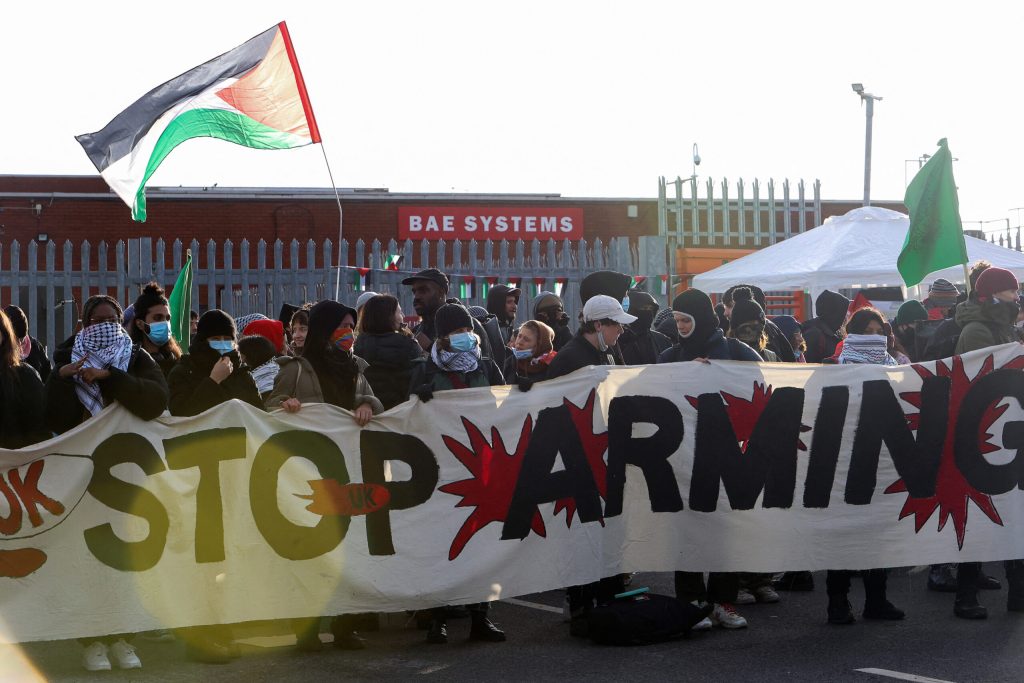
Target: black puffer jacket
x=22 y=408
x=392 y=359
x=642 y=348
x=38 y=360
x=142 y=390
x=579 y=353
x=193 y=392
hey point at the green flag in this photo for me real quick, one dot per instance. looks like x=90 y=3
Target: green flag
x=181 y=304
x=935 y=239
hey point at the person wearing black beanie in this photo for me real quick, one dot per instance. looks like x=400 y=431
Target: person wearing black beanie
x=640 y=344
x=748 y=324
x=608 y=282
x=822 y=333
x=778 y=343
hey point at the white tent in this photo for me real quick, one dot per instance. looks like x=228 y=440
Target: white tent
x=855 y=250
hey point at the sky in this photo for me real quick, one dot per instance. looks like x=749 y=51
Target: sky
x=582 y=99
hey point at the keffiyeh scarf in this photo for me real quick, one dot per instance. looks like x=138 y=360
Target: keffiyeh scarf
x=103 y=346
x=868 y=349
x=264 y=376
x=455 y=361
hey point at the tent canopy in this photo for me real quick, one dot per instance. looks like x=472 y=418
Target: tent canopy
x=855 y=250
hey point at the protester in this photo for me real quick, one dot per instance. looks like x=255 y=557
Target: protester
x=865 y=343
x=30 y=350
x=789 y=326
x=532 y=353
x=608 y=283
x=987 y=319
x=723 y=317
x=910 y=312
x=259 y=357
x=271 y=330
x=777 y=342
x=456 y=363
x=391 y=354
x=639 y=343
x=326 y=372
x=503 y=304
x=943 y=341
x=603 y=322
x=823 y=333
x=942 y=296
x=243 y=321
x=547 y=307
x=480 y=314
x=22 y=394
x=298 y=328
x=361 y=301
x=92 y=369
x=665 y=323
x=748 y=324
x=151 y=327
x=193 y=322
x=429 y=293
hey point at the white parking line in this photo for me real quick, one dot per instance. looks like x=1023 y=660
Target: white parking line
x=532 y=605
x=902 y=676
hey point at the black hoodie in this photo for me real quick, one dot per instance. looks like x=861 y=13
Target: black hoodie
x=822 y=333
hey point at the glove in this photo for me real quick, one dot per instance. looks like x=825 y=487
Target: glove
x=424 y=391
x=525 y=383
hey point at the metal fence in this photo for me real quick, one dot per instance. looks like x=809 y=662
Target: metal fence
x=50 y=283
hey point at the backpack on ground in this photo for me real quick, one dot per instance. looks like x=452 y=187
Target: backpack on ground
x=643 y=619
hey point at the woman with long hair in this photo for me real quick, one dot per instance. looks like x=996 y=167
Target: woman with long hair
x=151 y=327
x=22 y=394
x=391 y=354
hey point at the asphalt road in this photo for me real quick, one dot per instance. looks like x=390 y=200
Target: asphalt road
x=788 y=641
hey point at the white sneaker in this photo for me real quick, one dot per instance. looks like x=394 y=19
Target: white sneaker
x=745 y=597
x=124 y=655
x=725 y=616
x=94 y=657
x=704 y=624
x=765 y=594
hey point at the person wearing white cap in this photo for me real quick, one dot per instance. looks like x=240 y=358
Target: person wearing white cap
x=603 y=322
x=363 y=298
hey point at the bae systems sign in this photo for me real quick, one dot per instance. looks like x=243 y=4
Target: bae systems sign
x=489 y=222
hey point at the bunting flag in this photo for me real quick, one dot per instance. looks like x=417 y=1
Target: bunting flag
x=359 y=276
x=466 y=287
x=859 y=302
x=560 y=283
x=180 y=303
x=664 y=285
x=515 y=282
x=253 y=96
x=636 y=281
x=489 y=281
x=537 y=286
x=391 y=261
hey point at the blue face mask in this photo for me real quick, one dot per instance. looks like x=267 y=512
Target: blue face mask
x=222 y=346
x=625 y=304
x=523 y=354
x=463 y=341
x=159 y=333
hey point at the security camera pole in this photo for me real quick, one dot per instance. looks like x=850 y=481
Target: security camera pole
x=870 y=99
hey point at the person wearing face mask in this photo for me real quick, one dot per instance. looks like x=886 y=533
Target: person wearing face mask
x=456 y=363
x=822 y=333
x=910 y=312
x=30 y=349
x=639 y=343
x=548 y=308
x=603 y=323
x=987 y=319
x=151 y=327
x=259 y=357
x=777 y=342
x=531 y=354
x=748 y=324
x=92 y=369
x=211 y=372
x=791 y=328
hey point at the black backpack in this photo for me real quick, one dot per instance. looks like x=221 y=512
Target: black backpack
x=643 y=619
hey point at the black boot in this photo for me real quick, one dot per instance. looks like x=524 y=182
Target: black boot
x=795 y=581
x=840 y=611
x=882 y=609
x=438 y=633
x=1015 y=585
x=483 y=629
x=941 y=578
x=968 y=607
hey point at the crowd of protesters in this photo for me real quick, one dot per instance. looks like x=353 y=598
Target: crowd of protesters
x=366 y=359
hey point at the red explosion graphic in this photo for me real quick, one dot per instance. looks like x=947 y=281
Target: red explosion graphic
x=744 y=414
x=952 y=492
x=495 y=471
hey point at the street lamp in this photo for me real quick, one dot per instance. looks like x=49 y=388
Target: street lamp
x=870 y=99
x=678 y=182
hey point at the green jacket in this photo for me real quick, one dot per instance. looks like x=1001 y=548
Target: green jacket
x=983 y=325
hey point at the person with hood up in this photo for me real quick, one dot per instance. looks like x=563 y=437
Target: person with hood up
x=429 y=293
x=866 y=342
x=639 y=343
x=150 y=327
x=548 y=308
x=748 y=324
x=777 y=341
x=503 y=304
x=456 y=363
x=22 y=394
x=326 y=372
x=791 y=328
x=665 y=323
x=903 y=327
x=30 y=349
x=211 y=372
x=92 y=369
x=532 y=353
x=987 y=319
x=822 y=333
x=391 y=354
x=700 y=338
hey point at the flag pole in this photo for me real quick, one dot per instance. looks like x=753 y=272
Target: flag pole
x=341 y=222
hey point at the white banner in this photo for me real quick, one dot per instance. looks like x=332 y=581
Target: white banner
x=236 y=515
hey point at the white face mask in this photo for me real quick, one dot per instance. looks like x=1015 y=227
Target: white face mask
x=602 y=345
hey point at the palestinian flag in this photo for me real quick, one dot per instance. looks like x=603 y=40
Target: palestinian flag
x=253 y=96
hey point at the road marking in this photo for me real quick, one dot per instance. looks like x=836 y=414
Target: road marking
x=902 y=676
x=434 y=668
x=533 y=605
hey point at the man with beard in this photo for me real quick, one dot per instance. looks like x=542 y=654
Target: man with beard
x=429 y=293
x=502 y=304
x=822 y=333
x=548 y=308
x=639 y=344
